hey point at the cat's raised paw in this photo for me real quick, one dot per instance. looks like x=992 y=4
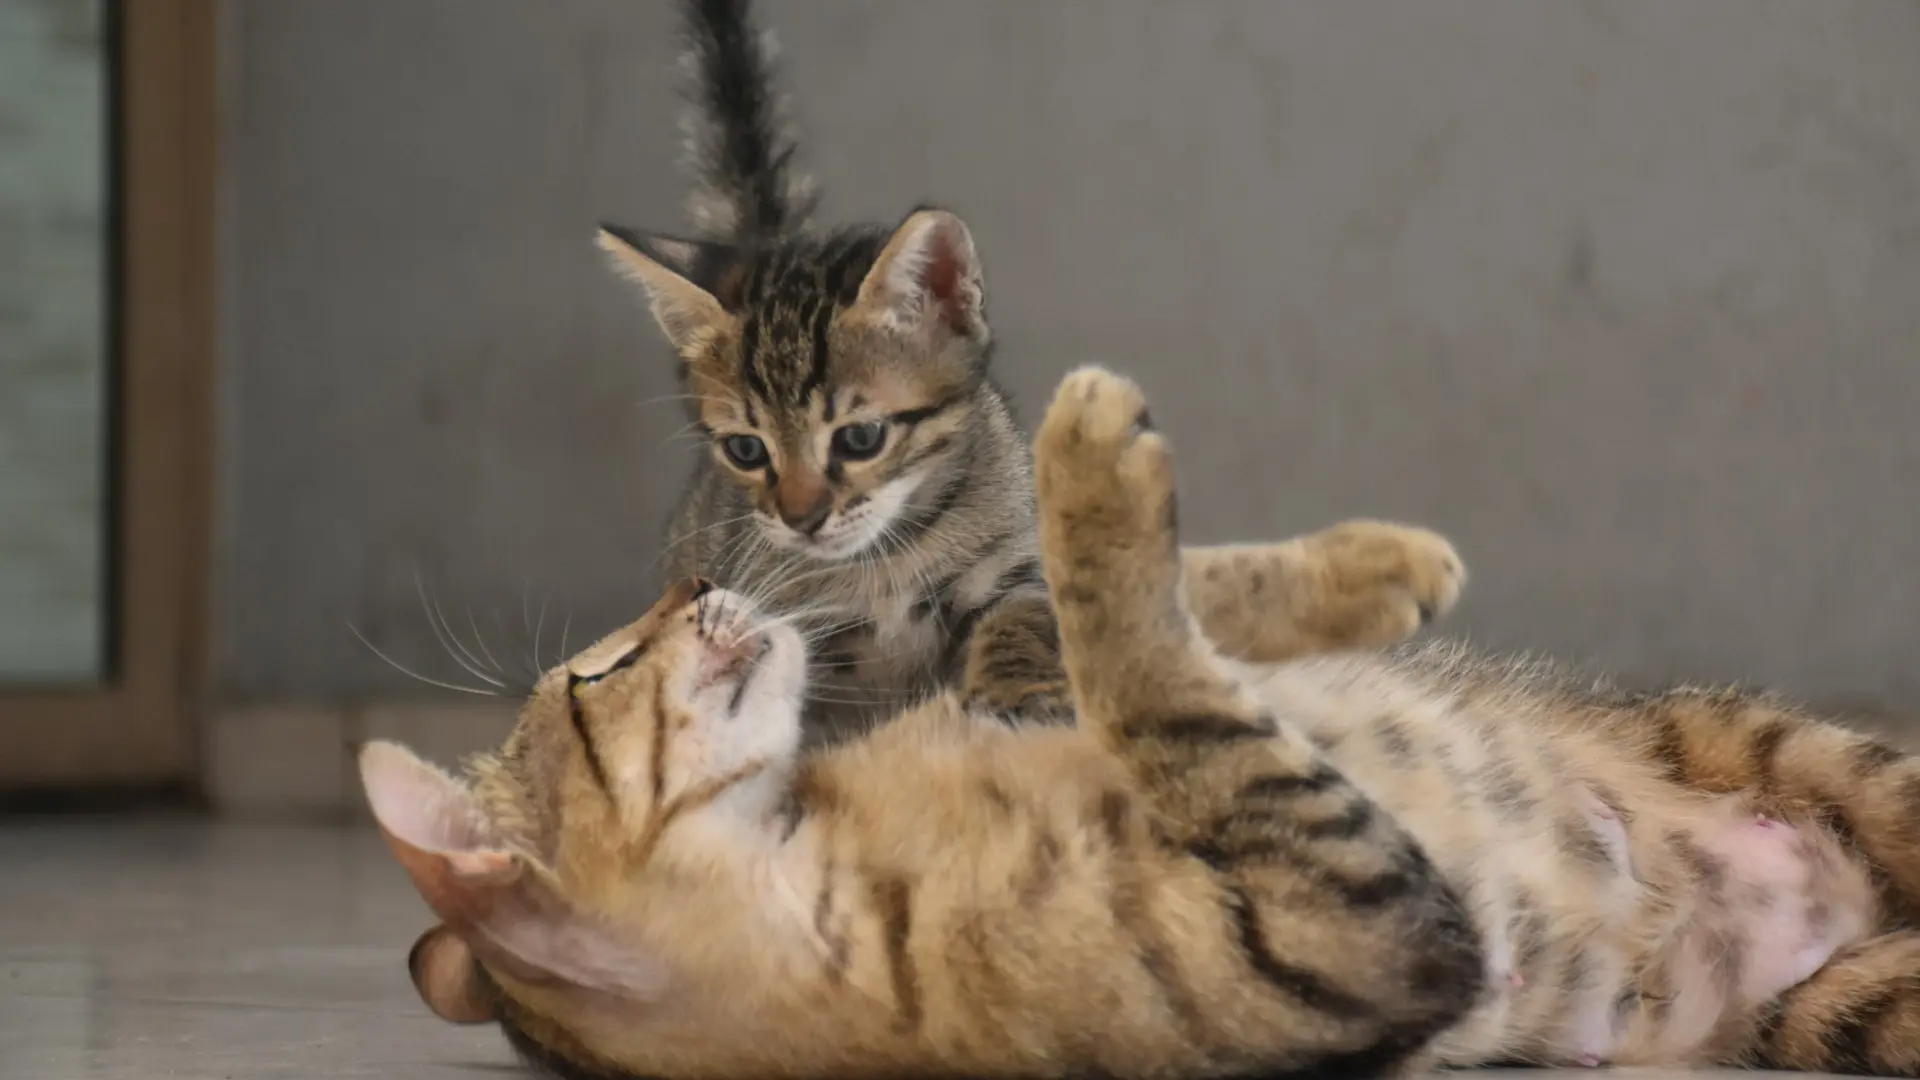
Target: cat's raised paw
x=1098 y=454
x=1104 y=478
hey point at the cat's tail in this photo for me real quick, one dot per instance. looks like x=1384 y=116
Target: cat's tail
x=739 y=144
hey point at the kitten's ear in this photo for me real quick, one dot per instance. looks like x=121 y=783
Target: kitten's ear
x=500 y=908
x=928 y=277
x=687 y=282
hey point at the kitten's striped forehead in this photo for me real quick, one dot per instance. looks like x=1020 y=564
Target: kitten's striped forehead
x=788 y=298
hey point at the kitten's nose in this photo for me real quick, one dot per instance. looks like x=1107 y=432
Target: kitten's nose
x=803 y=501
x=808 y=522
x=701 y=587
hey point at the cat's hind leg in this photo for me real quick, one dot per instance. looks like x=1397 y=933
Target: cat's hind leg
x=1358 y=584
x=1858 y=1014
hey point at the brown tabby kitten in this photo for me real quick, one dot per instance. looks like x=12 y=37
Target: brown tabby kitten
x=1333 y=866
x=864 y=473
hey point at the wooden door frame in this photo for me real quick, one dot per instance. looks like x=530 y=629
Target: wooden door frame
x=136 y=728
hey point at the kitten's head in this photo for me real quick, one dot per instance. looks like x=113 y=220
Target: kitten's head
x=832 y=376
x=641 y=765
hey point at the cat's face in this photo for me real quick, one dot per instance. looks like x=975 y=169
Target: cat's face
x=643 y=762
x=830 y=377
x=676 y=712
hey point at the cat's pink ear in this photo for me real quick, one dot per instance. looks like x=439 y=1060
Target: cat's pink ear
x=928 y=277
x=437 y=832
x=499 y=909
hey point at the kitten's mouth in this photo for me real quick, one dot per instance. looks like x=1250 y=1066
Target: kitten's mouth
x=835 y=548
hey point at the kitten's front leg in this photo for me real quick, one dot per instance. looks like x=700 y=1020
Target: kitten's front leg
x=1359 y=584
x=1011 y=668
x=1364 y=950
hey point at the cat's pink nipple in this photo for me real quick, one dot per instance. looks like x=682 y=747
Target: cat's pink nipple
x=1764 y=822
x=1516 y=980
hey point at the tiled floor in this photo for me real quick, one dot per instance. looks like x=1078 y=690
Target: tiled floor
x=177 y=949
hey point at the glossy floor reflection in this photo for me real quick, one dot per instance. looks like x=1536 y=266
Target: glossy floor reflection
x=183 y=950
x=180 y=949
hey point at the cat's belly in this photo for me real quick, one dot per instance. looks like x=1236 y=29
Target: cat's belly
x=1760 y=905
x=1653 y=940
x=1624 y=920
x=1486 y=810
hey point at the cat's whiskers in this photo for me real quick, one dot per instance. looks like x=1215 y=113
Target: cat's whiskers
x=739 y=552
x=480 y=641
x=664 y=398
x=412 y=674
x=687 y=429
x=448 y=640
x=668 y=548
x=539 y=625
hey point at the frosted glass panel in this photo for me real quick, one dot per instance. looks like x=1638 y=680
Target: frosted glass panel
x=54 y=339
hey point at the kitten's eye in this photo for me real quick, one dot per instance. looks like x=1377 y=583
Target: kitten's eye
x=859 y=440
x=745 y=451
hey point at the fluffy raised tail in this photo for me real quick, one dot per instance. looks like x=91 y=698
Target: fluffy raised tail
x=739 y=146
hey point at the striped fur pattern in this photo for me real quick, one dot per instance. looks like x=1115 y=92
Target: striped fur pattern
x=864 y=475
x=1338 y=865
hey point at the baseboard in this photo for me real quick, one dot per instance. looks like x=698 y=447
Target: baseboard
x=297 y=760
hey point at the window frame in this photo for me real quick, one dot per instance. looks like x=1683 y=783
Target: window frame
x=134 y=728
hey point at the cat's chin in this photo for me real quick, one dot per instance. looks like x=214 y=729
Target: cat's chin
x=783 y=673
x=767 y=704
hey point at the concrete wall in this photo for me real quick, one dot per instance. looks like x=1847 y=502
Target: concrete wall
x=1624 y=296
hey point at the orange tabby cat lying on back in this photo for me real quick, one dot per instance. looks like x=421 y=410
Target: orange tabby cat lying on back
x=1337 y=865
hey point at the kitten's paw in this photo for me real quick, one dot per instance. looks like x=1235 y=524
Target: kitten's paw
x=1105 y=483
x=1381 y=582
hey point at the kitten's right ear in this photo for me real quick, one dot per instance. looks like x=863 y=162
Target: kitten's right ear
x=687 y=281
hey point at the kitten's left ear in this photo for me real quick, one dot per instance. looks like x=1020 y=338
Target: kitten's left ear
x=928 y=277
